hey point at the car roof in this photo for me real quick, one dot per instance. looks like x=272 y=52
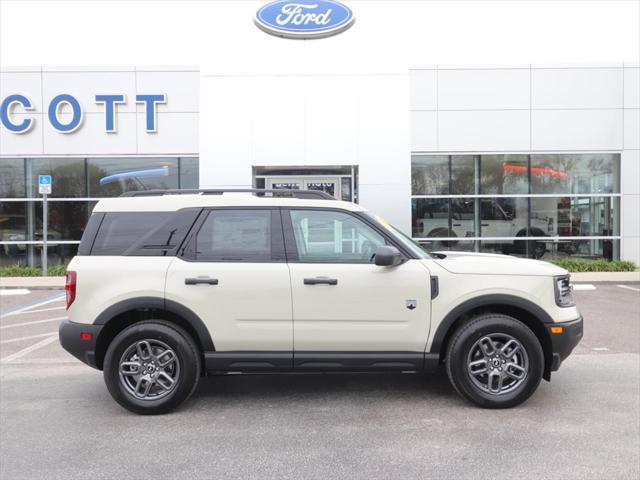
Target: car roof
x=172 y=203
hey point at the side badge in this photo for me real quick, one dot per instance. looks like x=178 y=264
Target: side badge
x=412 y=304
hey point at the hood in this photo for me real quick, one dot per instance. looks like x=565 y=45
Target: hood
x=494 y=264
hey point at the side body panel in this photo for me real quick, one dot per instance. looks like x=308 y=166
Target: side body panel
x=458 y=288
x=249 y=309
x=103 y=281
x=371 y=308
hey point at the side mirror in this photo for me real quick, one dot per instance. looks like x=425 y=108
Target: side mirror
x=387 y=256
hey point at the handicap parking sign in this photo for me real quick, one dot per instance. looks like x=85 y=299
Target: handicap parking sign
x=44 y=184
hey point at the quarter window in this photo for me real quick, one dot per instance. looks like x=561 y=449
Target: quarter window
x=333 y=237
x=235 y=235
x=119 y=230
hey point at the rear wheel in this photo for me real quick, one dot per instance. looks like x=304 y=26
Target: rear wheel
x=495 y=361
x=152 y=367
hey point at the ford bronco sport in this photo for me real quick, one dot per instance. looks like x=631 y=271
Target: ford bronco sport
x=168 y=286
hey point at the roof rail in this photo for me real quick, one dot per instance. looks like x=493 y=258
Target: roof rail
x=302 y=194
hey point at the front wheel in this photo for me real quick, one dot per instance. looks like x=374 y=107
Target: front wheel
x=495 y=361
x=152 y=367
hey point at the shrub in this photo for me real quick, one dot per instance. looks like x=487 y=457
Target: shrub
x=24 y=271
x=581 y=265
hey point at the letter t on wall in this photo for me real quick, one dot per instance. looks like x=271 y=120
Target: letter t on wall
x=150 y=102
x=110 y=102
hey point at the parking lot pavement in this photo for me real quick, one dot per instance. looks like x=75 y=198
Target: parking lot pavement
x=57 y=420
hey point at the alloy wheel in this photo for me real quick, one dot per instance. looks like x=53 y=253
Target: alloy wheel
x=149 y=369
x=498 y=363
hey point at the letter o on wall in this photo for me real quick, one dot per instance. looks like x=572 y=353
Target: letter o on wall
x=54 y=108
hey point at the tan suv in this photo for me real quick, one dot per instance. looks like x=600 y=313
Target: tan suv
x=170 y=285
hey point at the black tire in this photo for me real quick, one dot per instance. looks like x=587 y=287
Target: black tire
x=464 y=344
x=188 y=365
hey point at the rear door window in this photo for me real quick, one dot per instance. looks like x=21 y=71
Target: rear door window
x=235 y=235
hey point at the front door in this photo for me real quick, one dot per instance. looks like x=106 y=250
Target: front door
x=342 y=301
x=330 y=185
x=233 y=275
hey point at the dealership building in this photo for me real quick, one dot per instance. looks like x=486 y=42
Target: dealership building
x=529 y=160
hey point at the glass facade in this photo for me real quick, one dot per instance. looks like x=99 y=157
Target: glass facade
x=77 y=185
x=539 y=206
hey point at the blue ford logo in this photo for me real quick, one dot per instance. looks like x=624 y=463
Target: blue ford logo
x=304 y=18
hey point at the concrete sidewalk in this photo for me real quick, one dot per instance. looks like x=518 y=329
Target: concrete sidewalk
x=58 y=282
x=32 y=282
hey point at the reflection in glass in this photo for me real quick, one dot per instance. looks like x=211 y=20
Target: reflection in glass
x=566 y=173
x=430 y=174
x=502 y=174
x=13 y=224
x=69 y=176
x=66 y=219
x=109 y=177
x=12 y=178
x=462 y=174
x=189 y=176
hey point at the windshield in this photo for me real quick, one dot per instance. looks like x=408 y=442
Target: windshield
x=406 y=240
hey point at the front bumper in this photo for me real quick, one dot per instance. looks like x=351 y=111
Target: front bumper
x=563 y=343
x=74 y=339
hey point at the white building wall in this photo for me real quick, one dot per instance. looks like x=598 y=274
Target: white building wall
x=310 y=120
x=177 y=119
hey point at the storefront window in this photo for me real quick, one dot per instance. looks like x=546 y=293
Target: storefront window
x=12 y=184
x=502 y=174
x=575 y=216
x=66 y=219
x=430 y=175
x=73 y=178
x=70 y=176
x=575 y=173
x=109 y=177
x=463 y=174
x=189 y=173
x=13 y=221
x=512 y=204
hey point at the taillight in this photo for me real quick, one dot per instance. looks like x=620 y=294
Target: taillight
x=70 y=287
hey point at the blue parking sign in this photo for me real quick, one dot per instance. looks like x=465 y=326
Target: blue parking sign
x=44 y=184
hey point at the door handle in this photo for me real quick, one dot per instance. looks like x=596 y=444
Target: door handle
x=320 y=281
x=484 y=224
x=457 y=224
x=198 y=280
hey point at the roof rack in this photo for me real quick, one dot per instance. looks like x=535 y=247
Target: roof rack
x=302 y=194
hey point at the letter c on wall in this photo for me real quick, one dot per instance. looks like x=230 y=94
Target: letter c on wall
x=5 y=111
x=54 y=107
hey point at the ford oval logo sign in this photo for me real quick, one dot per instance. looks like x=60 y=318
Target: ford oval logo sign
x=304 y=18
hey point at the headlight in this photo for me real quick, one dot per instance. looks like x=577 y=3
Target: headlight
x=563 y=289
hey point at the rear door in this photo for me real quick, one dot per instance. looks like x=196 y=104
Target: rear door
x=232 y=273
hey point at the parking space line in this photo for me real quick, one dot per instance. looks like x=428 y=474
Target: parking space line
x=24 y=324
x=33 y=305
x=629 y=288
x=36 y=311
x=32 y=348
x=583 y=286
x=30 y=337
